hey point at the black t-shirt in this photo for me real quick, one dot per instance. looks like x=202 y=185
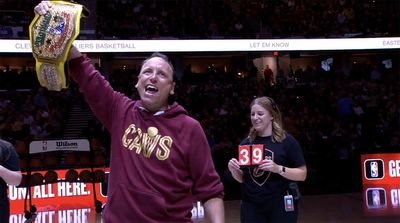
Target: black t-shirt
x=259 y=185
x=8 y=159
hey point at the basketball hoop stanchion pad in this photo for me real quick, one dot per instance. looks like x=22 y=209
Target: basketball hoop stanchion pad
x=51 y=36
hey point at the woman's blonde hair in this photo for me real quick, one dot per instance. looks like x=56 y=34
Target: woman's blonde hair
x=278 y=133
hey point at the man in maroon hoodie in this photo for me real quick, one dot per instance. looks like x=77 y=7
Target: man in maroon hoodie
x=160 y=159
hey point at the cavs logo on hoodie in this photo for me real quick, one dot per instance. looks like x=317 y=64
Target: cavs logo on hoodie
x=260 y=176
x=148 y=143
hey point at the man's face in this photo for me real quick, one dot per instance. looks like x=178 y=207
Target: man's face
x=155 y=84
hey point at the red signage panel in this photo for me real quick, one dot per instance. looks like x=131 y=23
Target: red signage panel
x=380 y=168
x=57 y=195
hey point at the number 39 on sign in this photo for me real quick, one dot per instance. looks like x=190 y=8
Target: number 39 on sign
x=251 y=155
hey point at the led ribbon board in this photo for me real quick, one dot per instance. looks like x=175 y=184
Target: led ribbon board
x=221 y=45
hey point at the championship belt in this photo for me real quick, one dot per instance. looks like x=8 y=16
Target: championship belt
x=51 y=36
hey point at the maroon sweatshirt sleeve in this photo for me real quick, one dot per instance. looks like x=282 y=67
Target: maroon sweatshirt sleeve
x=96 y=89
x=207 y=183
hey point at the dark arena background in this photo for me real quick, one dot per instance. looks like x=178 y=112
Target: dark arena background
x=335 y=75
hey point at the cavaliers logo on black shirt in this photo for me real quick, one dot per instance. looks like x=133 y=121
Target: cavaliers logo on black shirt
x=260 y=176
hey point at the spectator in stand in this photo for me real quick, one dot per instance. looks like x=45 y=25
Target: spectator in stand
x=268 y=76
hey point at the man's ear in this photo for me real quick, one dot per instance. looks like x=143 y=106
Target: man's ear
x=173 y=89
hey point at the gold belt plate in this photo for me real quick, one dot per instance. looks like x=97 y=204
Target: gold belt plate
x=51 y=36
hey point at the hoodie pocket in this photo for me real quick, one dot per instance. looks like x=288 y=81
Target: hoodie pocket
x=134 y=203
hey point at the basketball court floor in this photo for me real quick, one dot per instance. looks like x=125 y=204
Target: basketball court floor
x=333 y=208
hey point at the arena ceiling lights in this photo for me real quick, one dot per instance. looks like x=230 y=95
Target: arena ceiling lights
x=220 y=45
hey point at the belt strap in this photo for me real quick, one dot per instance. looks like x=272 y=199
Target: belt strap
x=51 y=37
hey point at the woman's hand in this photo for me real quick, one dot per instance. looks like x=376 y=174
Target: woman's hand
x=269 y=165
x=233 y=166
x=43 y=7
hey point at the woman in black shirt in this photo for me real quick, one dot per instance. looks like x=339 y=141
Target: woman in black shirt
x=266 y=187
